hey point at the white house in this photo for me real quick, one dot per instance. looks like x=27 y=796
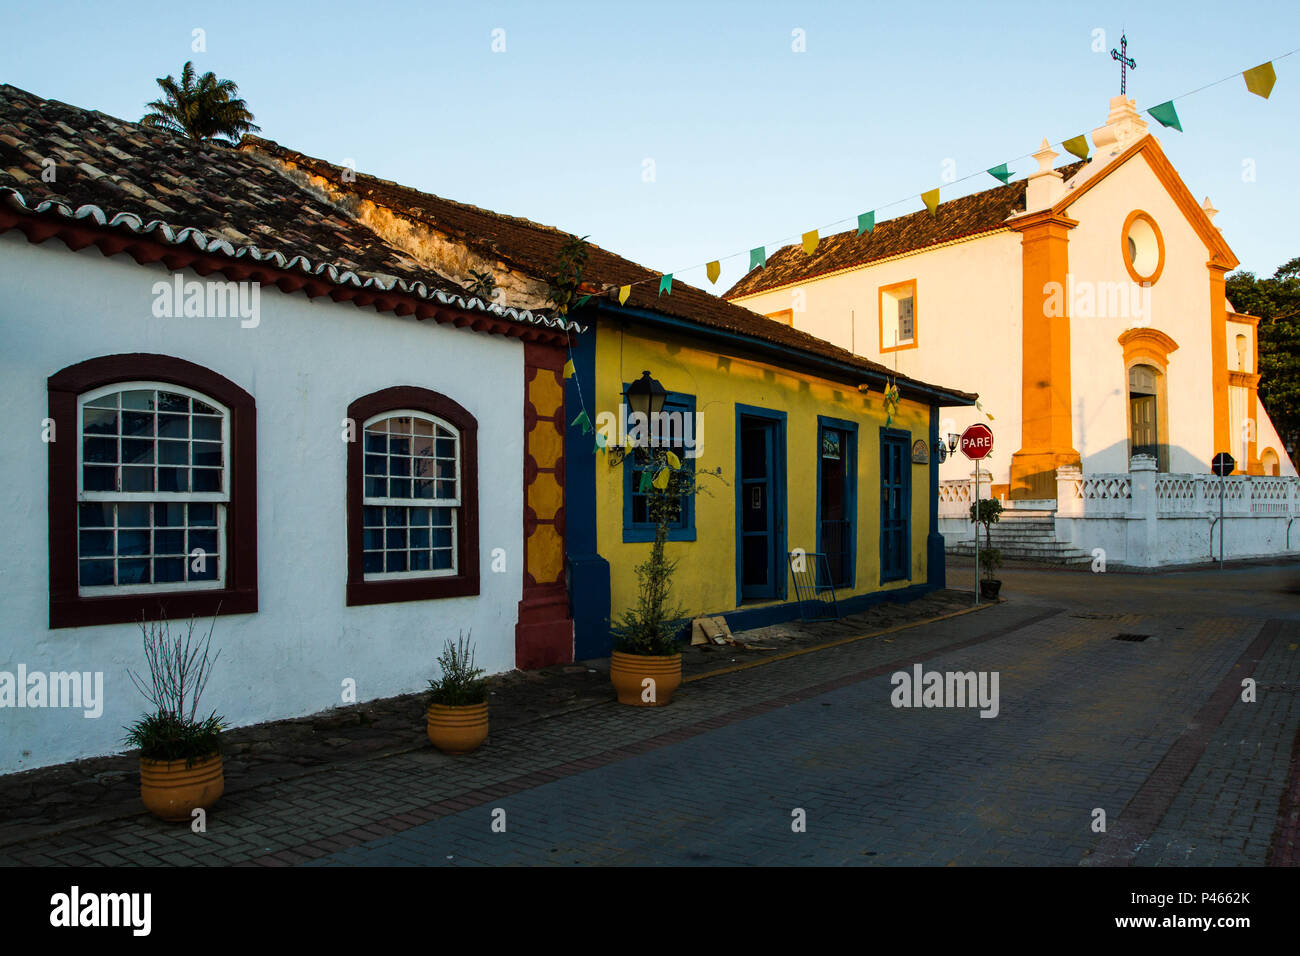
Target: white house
x=228 y=397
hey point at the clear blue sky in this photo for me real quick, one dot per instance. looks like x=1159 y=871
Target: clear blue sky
x=752 y=142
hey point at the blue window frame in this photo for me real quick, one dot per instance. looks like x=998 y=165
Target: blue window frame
x=837 y=500
x=895 y=505
x=677 y=427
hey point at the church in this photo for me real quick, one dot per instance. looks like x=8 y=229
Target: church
x=1084 y=304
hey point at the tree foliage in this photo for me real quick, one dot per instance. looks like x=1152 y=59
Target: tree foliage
x=202 y=108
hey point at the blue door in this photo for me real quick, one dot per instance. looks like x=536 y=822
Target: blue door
x=895 y=505
x=762 y=568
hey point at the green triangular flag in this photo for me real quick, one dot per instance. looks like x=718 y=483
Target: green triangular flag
x=644 y=485
x=866 y=222
x=582 y=421
x=1078 y=145
x=666 y=283
x=1166 y=115
x=601 y=441
x=758 y=258
x=582 y=301
x=1001 y=172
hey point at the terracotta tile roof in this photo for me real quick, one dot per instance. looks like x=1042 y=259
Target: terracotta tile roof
x=126 y=176
x=532 y=249
x=956 y=219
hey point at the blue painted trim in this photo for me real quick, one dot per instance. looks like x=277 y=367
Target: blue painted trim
x=783 y=356
x=936 y=559
x=897 y=435
x=780 y=498
x=850 y=457
x=587 y=571
x=643 y=532
x=744 y=618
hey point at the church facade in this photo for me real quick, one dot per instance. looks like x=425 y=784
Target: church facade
x=1085 y=305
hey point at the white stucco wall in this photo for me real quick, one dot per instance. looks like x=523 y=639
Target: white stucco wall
x=967 y=329
x=303 y=364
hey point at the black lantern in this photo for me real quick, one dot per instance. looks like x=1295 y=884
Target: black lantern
x=953 y=438
x=646 y=396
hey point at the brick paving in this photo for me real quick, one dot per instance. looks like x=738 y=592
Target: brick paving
x=1153 y=732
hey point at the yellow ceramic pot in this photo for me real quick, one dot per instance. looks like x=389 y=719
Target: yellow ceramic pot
x=457 y=730
x=171 y=790
x=630 y=673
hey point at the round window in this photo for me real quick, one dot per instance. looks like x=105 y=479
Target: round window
x=1143 y=247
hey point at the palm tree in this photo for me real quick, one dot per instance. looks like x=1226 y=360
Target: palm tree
x=204 y=108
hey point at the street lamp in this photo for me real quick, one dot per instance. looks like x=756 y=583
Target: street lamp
x=646 y=396
x=953 y=438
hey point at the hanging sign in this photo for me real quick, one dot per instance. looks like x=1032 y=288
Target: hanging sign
x=920 y=452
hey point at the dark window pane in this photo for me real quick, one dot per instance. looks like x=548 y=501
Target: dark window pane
x=133 y=571
x=207 y=454
x=168 y=570
x=372 y=517
x=139 y=399
x=418 y=516
x=137 y=479
x=138 y=451
x=373 y=539
x=208 y=429
x=373 y=562
x=376 y=443
x=173 y=479
x=96 y=544
x=174 y=426
x=442 y=516
x=399 y=487
x=376 y=465
x=206 y=479
x=169 y=542
x=205 y=541
x=423 y=488
x=442 y=537
x=208 y=568
x=96 y=573
x=395 y=516
x=132 y=516
x=171 y=402
x=133 y=542
x=396 y=537
x=419 y=537
x=446 y=448
x=97 y=421
x=105 y=401
x=203 y=516
x=203 y=408
x=441 y=560
x=98 y=478
x=446 y=489
x=173 y=453
x=420 y=561
x=169 y=516
x=399 y=445
x=97 y=515
x=376 y=488
x=396 y=561
x=139 y=424
x=398 y=465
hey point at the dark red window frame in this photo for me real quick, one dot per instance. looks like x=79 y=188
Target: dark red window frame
x=466 y=580
x=239 y=595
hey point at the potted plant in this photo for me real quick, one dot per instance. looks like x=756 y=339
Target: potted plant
x=457 y=715
x=988 y=514
x=646 y=665
x=180 y=753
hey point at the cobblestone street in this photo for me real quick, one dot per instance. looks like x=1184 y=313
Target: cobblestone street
x=1153 y=732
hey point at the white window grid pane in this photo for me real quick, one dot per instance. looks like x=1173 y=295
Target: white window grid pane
x=123 y=525
x=410 y=535
x=392 y=446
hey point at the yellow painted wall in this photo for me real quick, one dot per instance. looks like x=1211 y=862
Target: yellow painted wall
x=705 y=580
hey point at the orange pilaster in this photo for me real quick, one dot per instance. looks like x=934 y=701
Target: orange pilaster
x=1219 y=360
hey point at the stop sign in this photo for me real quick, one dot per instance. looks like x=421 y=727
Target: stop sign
x=977 y=441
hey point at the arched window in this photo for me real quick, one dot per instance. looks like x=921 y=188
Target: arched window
x=152 y=492
x=1242 y=361
x=412 y=498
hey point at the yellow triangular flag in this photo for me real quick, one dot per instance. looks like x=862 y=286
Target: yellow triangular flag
x=661 y=479
x=713 y=270
x=931 y=199
x=810 y=241
x=569 y=370
x=1077 y=145
x=1260 y=79
x=623 y=292
x=673 y=459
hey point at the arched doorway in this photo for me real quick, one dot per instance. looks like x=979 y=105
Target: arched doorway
x=1144 y=413
x=1269 y=461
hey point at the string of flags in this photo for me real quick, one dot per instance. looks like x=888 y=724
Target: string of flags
x=1259 y=80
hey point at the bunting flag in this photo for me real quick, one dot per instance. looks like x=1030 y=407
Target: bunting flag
x=757 y=258
x=1078 y=145
x=713 y=270
x=866 y=222
x=569 y=370
x=644 y=484
x=1260 y=79
x=582 y=421
x=986 y=414
x=810 y=241
x=601 y=442
x=623 y=292
x=661 y=479
x=582 y=301
x=1166 y=115
x=1000 y=172
x=666 y=283
x=931 y=199
x=673 y=460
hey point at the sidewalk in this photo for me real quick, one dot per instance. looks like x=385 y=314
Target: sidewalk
x=39 y=804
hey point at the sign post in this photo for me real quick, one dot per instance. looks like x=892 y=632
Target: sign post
x=976 y=443
x=1222 y=466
